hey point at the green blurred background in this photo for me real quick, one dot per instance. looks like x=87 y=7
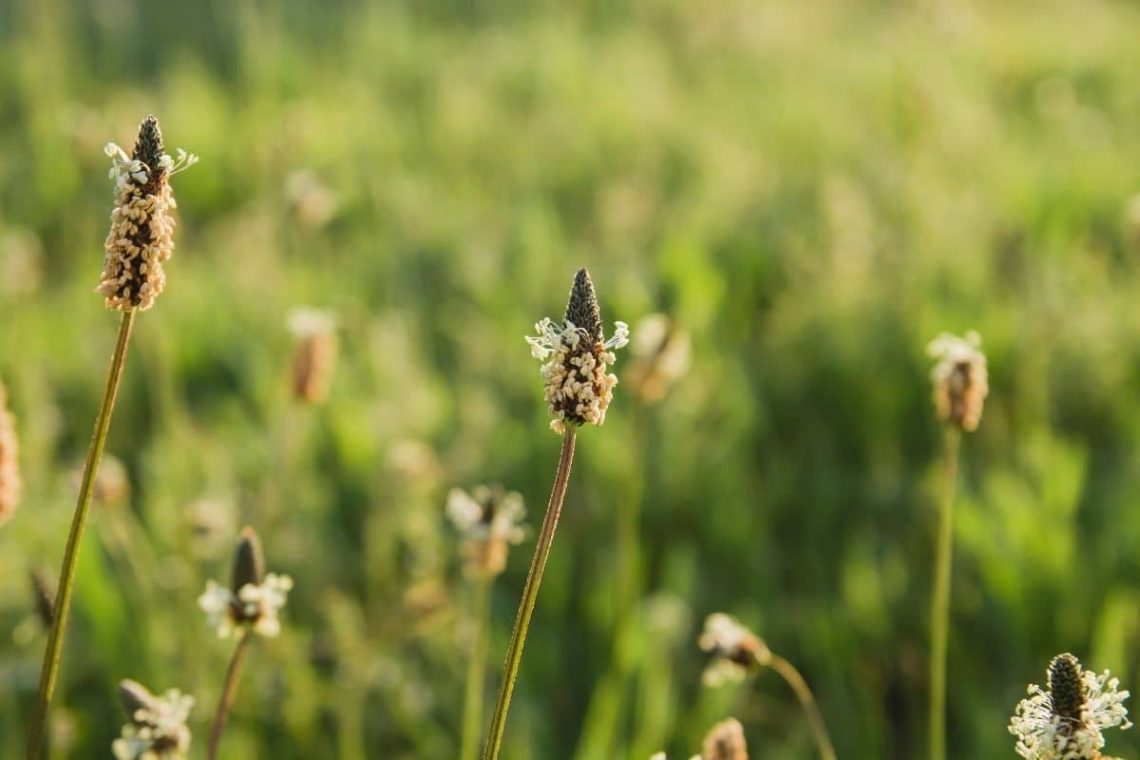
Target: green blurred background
x=810 y=191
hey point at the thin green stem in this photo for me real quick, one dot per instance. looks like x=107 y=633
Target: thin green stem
x=229 y=690
x=529 y=596
x=807 y=700
x=54 y=652
x=940 y=605
x=476 y=672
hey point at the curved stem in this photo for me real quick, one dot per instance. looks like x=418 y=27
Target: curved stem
x=807 y=700
x=228 y=692
x=476 y=673
x=940 y=604
x=529 y=596
x=54 y=652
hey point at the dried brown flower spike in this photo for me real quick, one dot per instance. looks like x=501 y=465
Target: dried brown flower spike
x=576 y=356
x=314 y=357
x=10 y=484
x=141 y=235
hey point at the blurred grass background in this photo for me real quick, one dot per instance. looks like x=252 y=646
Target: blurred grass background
x=810 y=191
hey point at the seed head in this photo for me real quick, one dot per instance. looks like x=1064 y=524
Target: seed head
x=960 y=379
x=142 y=227
x=490 y=520
x=736 y=651
x=314 y=356
x=10 y=483
x=725 y=741
x=576 y=357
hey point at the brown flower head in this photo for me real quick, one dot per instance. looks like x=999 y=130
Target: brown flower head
x=725 y=741
x=254 y=598
x=960 y=379
x=141 y=235
x=490 y=520
x=576 y=357
x=736 y=650
x=314 y=357
x=10 y=483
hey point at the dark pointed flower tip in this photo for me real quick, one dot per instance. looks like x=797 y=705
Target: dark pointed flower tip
x=249 y=563
x=43 y=596
x=149 y=148
x=1066 y=687
x=134 y=697
x=582 y=309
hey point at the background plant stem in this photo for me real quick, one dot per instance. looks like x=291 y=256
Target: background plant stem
x=818 y=728
x=54 y=652
x=530 y=596
x=476 y=672
x=233 y=673
x=940 y=605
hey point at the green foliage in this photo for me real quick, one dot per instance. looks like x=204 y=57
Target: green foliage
x=812 y=190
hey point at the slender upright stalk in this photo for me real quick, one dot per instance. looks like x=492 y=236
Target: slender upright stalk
x=54 y=652
x=818 y=728
x=940 y=605
x=529 y=596
x=476 y=673
x=229 y=689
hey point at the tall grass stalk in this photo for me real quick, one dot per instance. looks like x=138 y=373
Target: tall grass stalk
x=529 y=597
x=807 y=700
x=476 y=672
x=940 y=605
x=229 y=690
x=54 y=652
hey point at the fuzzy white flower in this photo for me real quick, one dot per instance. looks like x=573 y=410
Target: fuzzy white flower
x=255 y=606
x=960 y=378
x=1065 y=721
x=490 y=519
x=157 y=730
x=736 y=650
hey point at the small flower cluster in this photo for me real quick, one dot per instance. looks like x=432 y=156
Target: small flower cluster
x=960 y=380
x=724 y=741
x=141 y=235
x=1065 y=721
x=490 y=520
x=253 y=600
x=157 y=728
x=737 y=652
x=576 y=356
x=10 y=483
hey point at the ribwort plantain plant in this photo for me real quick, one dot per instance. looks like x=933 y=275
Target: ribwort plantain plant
x=960 y=385
x=738 y=653
x=490 y=520
x=249 y=605
x=139 y=242
x=578 y=390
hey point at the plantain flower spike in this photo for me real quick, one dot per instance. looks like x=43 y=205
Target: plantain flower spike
x=10 y=483
x=576 y=356
x=960 y=380
x=725 y=741
x=254 y=598
x=314 y=355
x=1065 y=721
x=142 y=227
x=489 y=519
x=736 y=651
x=157 y=728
